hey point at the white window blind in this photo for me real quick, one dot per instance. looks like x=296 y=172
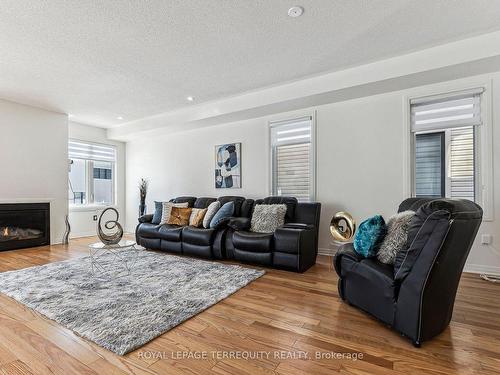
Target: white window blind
x=446 y=111
x=293 y=162
x=461 y=163
x=429 y=165
x=90 y=151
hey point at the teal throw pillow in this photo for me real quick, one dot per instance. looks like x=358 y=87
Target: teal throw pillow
x=369 y=236
x=224 y=213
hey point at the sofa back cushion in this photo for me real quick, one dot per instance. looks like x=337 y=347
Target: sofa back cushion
x=203 y=202
x=413 y=204
x=238 y=202
x=428 y=229
x=308 y=213
x=190 y=200
x=246 y=208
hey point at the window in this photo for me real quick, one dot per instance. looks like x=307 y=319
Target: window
x=91 y=173
x=292 y=149
x=429 y=165
x=445 y=131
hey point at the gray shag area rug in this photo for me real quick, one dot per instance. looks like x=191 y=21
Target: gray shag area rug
x=123 y=313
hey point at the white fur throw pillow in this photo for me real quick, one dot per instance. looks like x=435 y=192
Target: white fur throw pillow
x=395 y=239
x=267 y=217
x=211 y=211
x=167 y=210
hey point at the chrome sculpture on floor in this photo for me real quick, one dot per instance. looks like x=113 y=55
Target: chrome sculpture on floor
x=342 y=226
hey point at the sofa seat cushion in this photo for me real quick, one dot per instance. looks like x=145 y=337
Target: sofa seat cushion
x=369 y=285
x=170 y=232
x=383 y=271
x=198 y=236
x=148 y=230
x=253 y=242
x=239 y=223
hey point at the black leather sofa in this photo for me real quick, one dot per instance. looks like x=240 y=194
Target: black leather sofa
x=293 y=246
x=416 y=298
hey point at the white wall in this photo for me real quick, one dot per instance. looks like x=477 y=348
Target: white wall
x=33 y=160
x=183 y=164
x=360 y=163
x=82 y=218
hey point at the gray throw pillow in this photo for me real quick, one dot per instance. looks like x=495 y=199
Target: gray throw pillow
x=211 y=211
x=267 y=217
x=395 y=239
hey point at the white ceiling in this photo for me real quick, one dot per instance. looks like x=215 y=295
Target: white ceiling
x=98 y=60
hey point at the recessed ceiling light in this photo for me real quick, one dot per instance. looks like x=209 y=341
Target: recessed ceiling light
x=119 y=118
x=295 y=11
x=189 y=98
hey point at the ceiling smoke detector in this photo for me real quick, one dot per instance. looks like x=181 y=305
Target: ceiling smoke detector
x=295 y=11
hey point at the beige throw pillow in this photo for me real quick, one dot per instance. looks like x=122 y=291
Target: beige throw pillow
x=211 y=211
x=167 y=209
x=196 y=218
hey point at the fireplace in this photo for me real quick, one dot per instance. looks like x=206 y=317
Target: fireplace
x=24 y=225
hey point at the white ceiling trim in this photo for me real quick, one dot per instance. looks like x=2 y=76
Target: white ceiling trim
x=470 y=56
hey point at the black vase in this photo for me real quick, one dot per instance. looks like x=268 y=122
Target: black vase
x=142 y=209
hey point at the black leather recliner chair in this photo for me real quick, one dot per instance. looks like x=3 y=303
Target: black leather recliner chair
x=416 y=296
x=294 y=246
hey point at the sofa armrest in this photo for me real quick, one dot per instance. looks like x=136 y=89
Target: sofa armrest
x=297 y=226
x=146 y=218
x=299 y=242
x=221 y=223
x=346 y=250
x=239 y=223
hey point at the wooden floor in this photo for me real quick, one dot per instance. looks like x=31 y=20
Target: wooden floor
x=281 y=314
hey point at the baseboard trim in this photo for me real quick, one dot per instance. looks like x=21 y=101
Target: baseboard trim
x=326 y=251
x=91 y=234
x=480 y=268
x=83 y=234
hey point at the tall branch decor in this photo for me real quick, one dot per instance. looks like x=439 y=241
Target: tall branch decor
x=143 y=191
